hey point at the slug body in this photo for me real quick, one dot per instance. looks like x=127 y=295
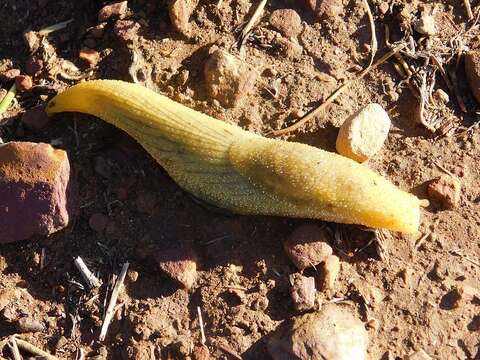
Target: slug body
x=241 y=171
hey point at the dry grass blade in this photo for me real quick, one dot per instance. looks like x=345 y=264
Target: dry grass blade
x=55 y=27
x=32 y=349
x=468 y=8
x=7 y=99
x=87 y=275
x=202 y=326
x=12 y=344
x=373 y=38
x=311 y=115
x=248 y=27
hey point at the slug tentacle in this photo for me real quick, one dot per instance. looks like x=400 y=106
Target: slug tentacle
x=241 y=171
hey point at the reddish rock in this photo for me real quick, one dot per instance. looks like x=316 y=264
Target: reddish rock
x=116 y=10
x=10 y=74
x=287 y=22
x=179 y=264
x=180 y=12
x=33 y=66
x=472 y=69
x=290 y=49
x=35 y=118
x=331 y=9
x=308 y=246
x=98 y=222
x=36 y=190
x=200 y=353
x=126 y=30
x=303 y=292
x=227 y=78
x=445 y=191
x=23 y=82
x=90 y=56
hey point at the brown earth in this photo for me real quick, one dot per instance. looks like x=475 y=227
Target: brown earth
x=242 y=286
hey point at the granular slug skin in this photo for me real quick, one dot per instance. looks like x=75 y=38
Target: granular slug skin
x=241 y=171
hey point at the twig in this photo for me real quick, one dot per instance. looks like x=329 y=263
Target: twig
x=202 y=326
x=7 y=99
x=248 y=27
x=219 y=4
x=373 y=36
x=87 y=275
x=55 y=27
x=32 y=349
x=468 y=8
x=311 y=115
x=113 y=300
x=458 y=253
x=12 y=344
x=422 y=240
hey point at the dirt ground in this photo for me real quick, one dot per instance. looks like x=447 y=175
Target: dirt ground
x=409 y=292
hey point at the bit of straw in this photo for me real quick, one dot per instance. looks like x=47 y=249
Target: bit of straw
x=88 y=276
x=55 y=27
x=202 y=326
x=373 y=35
x=113 y=300
x=12 y=344
x=32 y=349
x=468 y=8
x=7 y=99
x=248 y=27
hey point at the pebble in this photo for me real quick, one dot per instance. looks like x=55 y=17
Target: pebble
x=331 y=334
x=180 y=12
x=126 y=30
x=441 y=96
x=27 y=324
x=419 y=355
x=200 y=353
x=308 y=246
x=37 y=193
x=23 y=82
x=35 y=118
x=331 y=268
x=290 y=49
x=330 y=9
x=362 y=135
x=472 y=69
x=98 y=222
x=10 y=74
x=31 y=40
x=445 y=191
x=462 y=295
x=384 y=7
x=303 y=292
x=117 y=10
x=227 y=78
x=33 y=66
x=287 y=22
x=90 y=56
x=179 y=264
x=425 y=25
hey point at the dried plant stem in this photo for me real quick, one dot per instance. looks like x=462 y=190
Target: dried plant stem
x=32 y=349
x=373 y=36
x=12 y=344
x=468 y=9
x=113 y=300
x=7 y=99
x=248 y=27
x=55 y=27
x=202 y=326
x=311 y=115
x=87 y=275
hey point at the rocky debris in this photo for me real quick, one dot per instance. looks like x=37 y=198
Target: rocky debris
x=180 y=12
x=10 y=74
x=200 y=353
x=179 y=264
x=308 y=246
x=462 y=295
x=329 y=9
x=32 y=41
x=27 y=324
x=98 y=222
x=303 y=292
x=126 y=30
x=115 y=10
x=227 y=78
x=36 y=190
x=90 y=56
x=35 y=118
x=419 y=355
x=8 y=295
x=23 y=82
x=362 y=135
x=290 y=49
x=441 y=96
x=331 y=268
x=287 y=22
x=445 y=191
x=472 y=69
x=33 y=66
x=331 y=334
x=425 y=25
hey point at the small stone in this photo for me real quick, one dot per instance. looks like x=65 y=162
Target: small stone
x=445 y=191
x=132 y=276
x=180 y=12
x=33 y=66
x=289 y=49
x=126 y=30
x=23 y=82
x=462 y=295
x=27 y=324
x=419 y=355
x=308 y=246
x=472 y=69
x=98 y=222
x=331 y=268
x=331 y=334
x=303 y=292
x=227 y=78
x=8 y=295
x=35 y=118
x=441 y=96
x=10 y=74
x=90 y=56
x=384 y=7
x=179 y=264
x=200 y=353
x=116 y=10
x=362 y=135
x=36 y=190
x=31 y=40
x=287 y=22
x=425 y=25
x=328 y=9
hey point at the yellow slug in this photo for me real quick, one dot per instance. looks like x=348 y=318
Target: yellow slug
x=241 y=171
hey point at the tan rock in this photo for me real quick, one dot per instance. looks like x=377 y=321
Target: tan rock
x=426 y=24
x=330 y=9
x=287 y=22
x=90 y=56
x=418 y=355
x=180 y=12
x=362 y=135
x=445 y=191
x=303 y=292
x=179 y=264
x=331 y=267
x=116 y=10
